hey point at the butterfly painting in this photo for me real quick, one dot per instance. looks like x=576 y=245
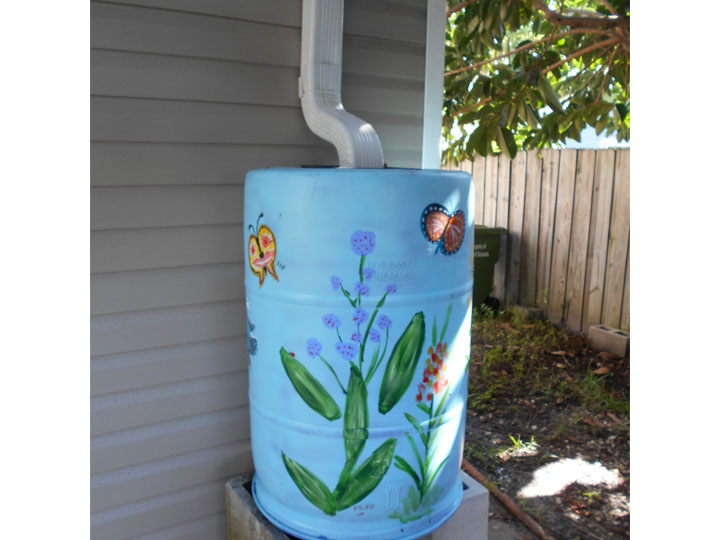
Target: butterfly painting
x=444 y=228
x=261 y=251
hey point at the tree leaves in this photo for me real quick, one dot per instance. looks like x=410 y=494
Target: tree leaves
x=567 y=66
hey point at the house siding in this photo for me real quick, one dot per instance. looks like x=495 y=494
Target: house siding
x=186 y=97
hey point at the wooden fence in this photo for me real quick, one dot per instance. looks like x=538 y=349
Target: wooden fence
x=568 y=218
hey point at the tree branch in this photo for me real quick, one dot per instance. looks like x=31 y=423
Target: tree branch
x=457 y=8
x=580 y=53
x=605 y=78
x=473 y=106
x=609 y=6
x=589 y=21
x=519 y=49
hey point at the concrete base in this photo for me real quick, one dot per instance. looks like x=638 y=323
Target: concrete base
x=246 y=522
x=526 y=313
x=470 y=520
x=612 y=340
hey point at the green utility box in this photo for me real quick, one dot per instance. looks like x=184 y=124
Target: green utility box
x=485 y=255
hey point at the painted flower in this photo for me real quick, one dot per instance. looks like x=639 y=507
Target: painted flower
x=435 y=373
x=313 y=347
x=361 y=288
x=347 y=350
x=335 y=282
x=368 y=273
x=391 y=288
x=374 y=335
x=360 y=316
x=363 y=242
x=356 y=337
x=384 y=322
x=331 y=321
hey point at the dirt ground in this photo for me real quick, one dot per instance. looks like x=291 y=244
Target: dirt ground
x=548 y=423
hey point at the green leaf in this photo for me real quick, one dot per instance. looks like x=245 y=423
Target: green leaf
x=415 y=450
x=532 y=119
x=424 y=408
x=622 y=109
x=549 y=94
x=434 y=330
x=478 y=140
x=355 y=430
x=431 y=478
x=402 y=363
x=414 y=422
x=404 y=466
x=309 y=388
x=445 y=324
x=310 y=486
x=506 y=142
x=367 y=476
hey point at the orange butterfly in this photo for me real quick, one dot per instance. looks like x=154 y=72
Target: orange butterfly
x=261 y=251
x=441 y=227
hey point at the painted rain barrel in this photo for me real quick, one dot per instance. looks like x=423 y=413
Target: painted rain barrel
x=358 y=286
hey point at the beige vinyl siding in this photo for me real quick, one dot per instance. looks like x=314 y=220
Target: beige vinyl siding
x=187 y=96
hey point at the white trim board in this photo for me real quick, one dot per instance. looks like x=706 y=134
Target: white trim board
x=434 y=83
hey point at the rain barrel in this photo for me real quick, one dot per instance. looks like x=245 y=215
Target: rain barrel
x=359 y=300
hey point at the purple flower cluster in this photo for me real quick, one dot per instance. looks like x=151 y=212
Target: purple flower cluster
x=335 y=282
x=363 y=242
x=313 y=347
x=360 y=316
x=384 y=322
x=347 y=350
x=331 y=321
x=391 y=288
x=356 y=337
x=361 y=288
x=368 y=273
x=374 y=335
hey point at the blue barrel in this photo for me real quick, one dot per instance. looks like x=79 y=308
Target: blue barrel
x=359 y=287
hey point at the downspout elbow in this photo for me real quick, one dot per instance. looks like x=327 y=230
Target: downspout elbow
x=355 y=140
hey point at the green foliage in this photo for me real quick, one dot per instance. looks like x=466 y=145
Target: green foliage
x=526 y=73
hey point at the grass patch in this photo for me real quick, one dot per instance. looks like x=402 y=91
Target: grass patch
x=513 y=358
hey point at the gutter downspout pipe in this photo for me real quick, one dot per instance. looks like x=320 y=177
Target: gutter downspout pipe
x=355 y=140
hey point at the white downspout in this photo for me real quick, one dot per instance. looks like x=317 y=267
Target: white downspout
x=355 y=140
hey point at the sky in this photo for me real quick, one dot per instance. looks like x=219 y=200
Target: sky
x=589 y=139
